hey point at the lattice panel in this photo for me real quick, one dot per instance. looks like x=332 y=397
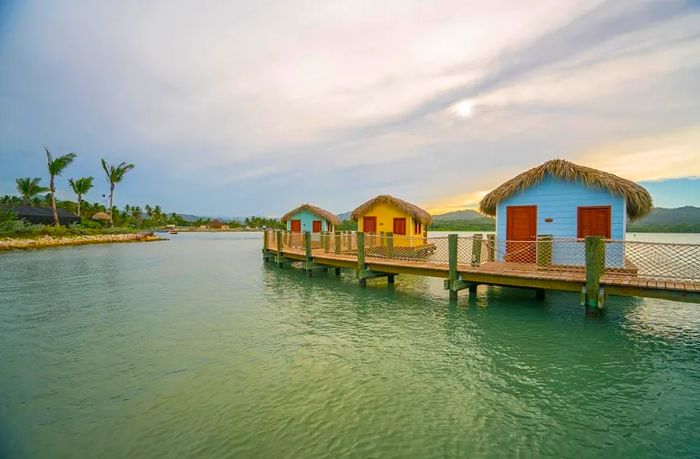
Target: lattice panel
x=654 y=260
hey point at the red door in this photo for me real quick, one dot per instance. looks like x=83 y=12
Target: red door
x=369 y=224
x=521 y=233
x=317 y=226
x=399 y=226
x=296 y=226
x=594 y=221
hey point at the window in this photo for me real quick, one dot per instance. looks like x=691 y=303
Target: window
x=399 y=226
x=416 y=227
x=317 y=226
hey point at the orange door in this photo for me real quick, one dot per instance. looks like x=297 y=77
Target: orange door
x=296 y=226
x=399 y=226
x=594 y=221
x=369 y=224
x=521 y=233
x=317 y=226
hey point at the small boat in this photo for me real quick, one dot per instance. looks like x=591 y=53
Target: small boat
x=172 y=231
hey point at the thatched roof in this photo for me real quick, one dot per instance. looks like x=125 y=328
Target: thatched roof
x=406 y=207
x=314 y=210
x=101 y=216
x=639 y=201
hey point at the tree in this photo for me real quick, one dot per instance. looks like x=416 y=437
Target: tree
x=28 y=188
x=115 y=174
x=80 y=187
x=56 y=166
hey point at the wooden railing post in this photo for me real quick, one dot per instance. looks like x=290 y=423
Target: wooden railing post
x=337 y=242
x=476 y=249
x=361 y=258
x=326 y=241
x=491 y=255
x=278 y=237
x=452 y=241
x=594 y=268
x=390 y=245
x=307 y=251
x=544 y=250
x=266 y=237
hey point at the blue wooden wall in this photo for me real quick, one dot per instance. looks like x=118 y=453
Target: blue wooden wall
x=559 y=200
x=307 y=219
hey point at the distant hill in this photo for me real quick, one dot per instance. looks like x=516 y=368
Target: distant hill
x=679 y=220
x=344 y=216
x=466 y=214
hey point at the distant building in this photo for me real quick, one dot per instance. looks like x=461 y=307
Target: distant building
x=43 y=215
x=215 y=224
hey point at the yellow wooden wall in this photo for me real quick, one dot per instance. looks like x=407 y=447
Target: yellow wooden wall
x=385 y=224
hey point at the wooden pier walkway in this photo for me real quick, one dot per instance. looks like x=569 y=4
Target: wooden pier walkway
x=465 y=262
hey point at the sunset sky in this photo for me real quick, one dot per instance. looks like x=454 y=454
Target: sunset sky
x=250 y=108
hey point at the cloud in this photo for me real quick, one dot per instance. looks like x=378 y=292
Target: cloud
x=245 y=107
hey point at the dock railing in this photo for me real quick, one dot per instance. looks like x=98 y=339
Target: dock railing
x=652 y=260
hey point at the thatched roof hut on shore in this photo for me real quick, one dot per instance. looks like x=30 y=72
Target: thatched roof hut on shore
x=101 y=217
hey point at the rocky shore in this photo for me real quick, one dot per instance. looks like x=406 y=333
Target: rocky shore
x=49 y=241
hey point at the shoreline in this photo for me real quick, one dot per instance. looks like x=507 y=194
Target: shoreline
x=42 y=242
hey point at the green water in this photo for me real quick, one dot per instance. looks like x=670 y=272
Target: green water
x=194 y=348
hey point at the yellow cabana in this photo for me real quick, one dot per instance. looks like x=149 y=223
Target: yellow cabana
x=387 y=214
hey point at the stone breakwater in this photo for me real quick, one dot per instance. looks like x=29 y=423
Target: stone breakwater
x=50 y=241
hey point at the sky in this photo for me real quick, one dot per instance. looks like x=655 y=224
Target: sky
x=250 y=108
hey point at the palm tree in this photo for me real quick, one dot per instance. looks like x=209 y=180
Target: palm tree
x=56 y=166
x=28 y=188
x=80 y=187
x=136 y=214
x=115 y=174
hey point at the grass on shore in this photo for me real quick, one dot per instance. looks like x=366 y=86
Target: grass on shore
x=21 y=230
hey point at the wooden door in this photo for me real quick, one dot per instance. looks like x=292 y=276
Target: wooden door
x=316 y=226
x=594 y=221
x=296 y=226
x=400 y=226
x=369 y=224
x=521 y=233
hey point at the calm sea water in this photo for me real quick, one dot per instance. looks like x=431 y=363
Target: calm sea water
x=193 y=347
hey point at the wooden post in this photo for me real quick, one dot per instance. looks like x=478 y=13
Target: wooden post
x=307 y=251
x=491 y=256
x=326 y=241
x=452 y=241
x=594 y=268
x=476 y=249
x=390 y=246
x=361 y=258
x=337 y=242
x=278 y=236
x=544 y=251
x=265 y=239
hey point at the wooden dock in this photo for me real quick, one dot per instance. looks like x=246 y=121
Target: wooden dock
x=478 y=263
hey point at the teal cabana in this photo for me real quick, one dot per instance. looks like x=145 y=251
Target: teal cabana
x=310 y=218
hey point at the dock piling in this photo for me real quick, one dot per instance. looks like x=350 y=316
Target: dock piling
x=279 y=258
x=307 y=252
x=595 y=260
x=361 y=258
